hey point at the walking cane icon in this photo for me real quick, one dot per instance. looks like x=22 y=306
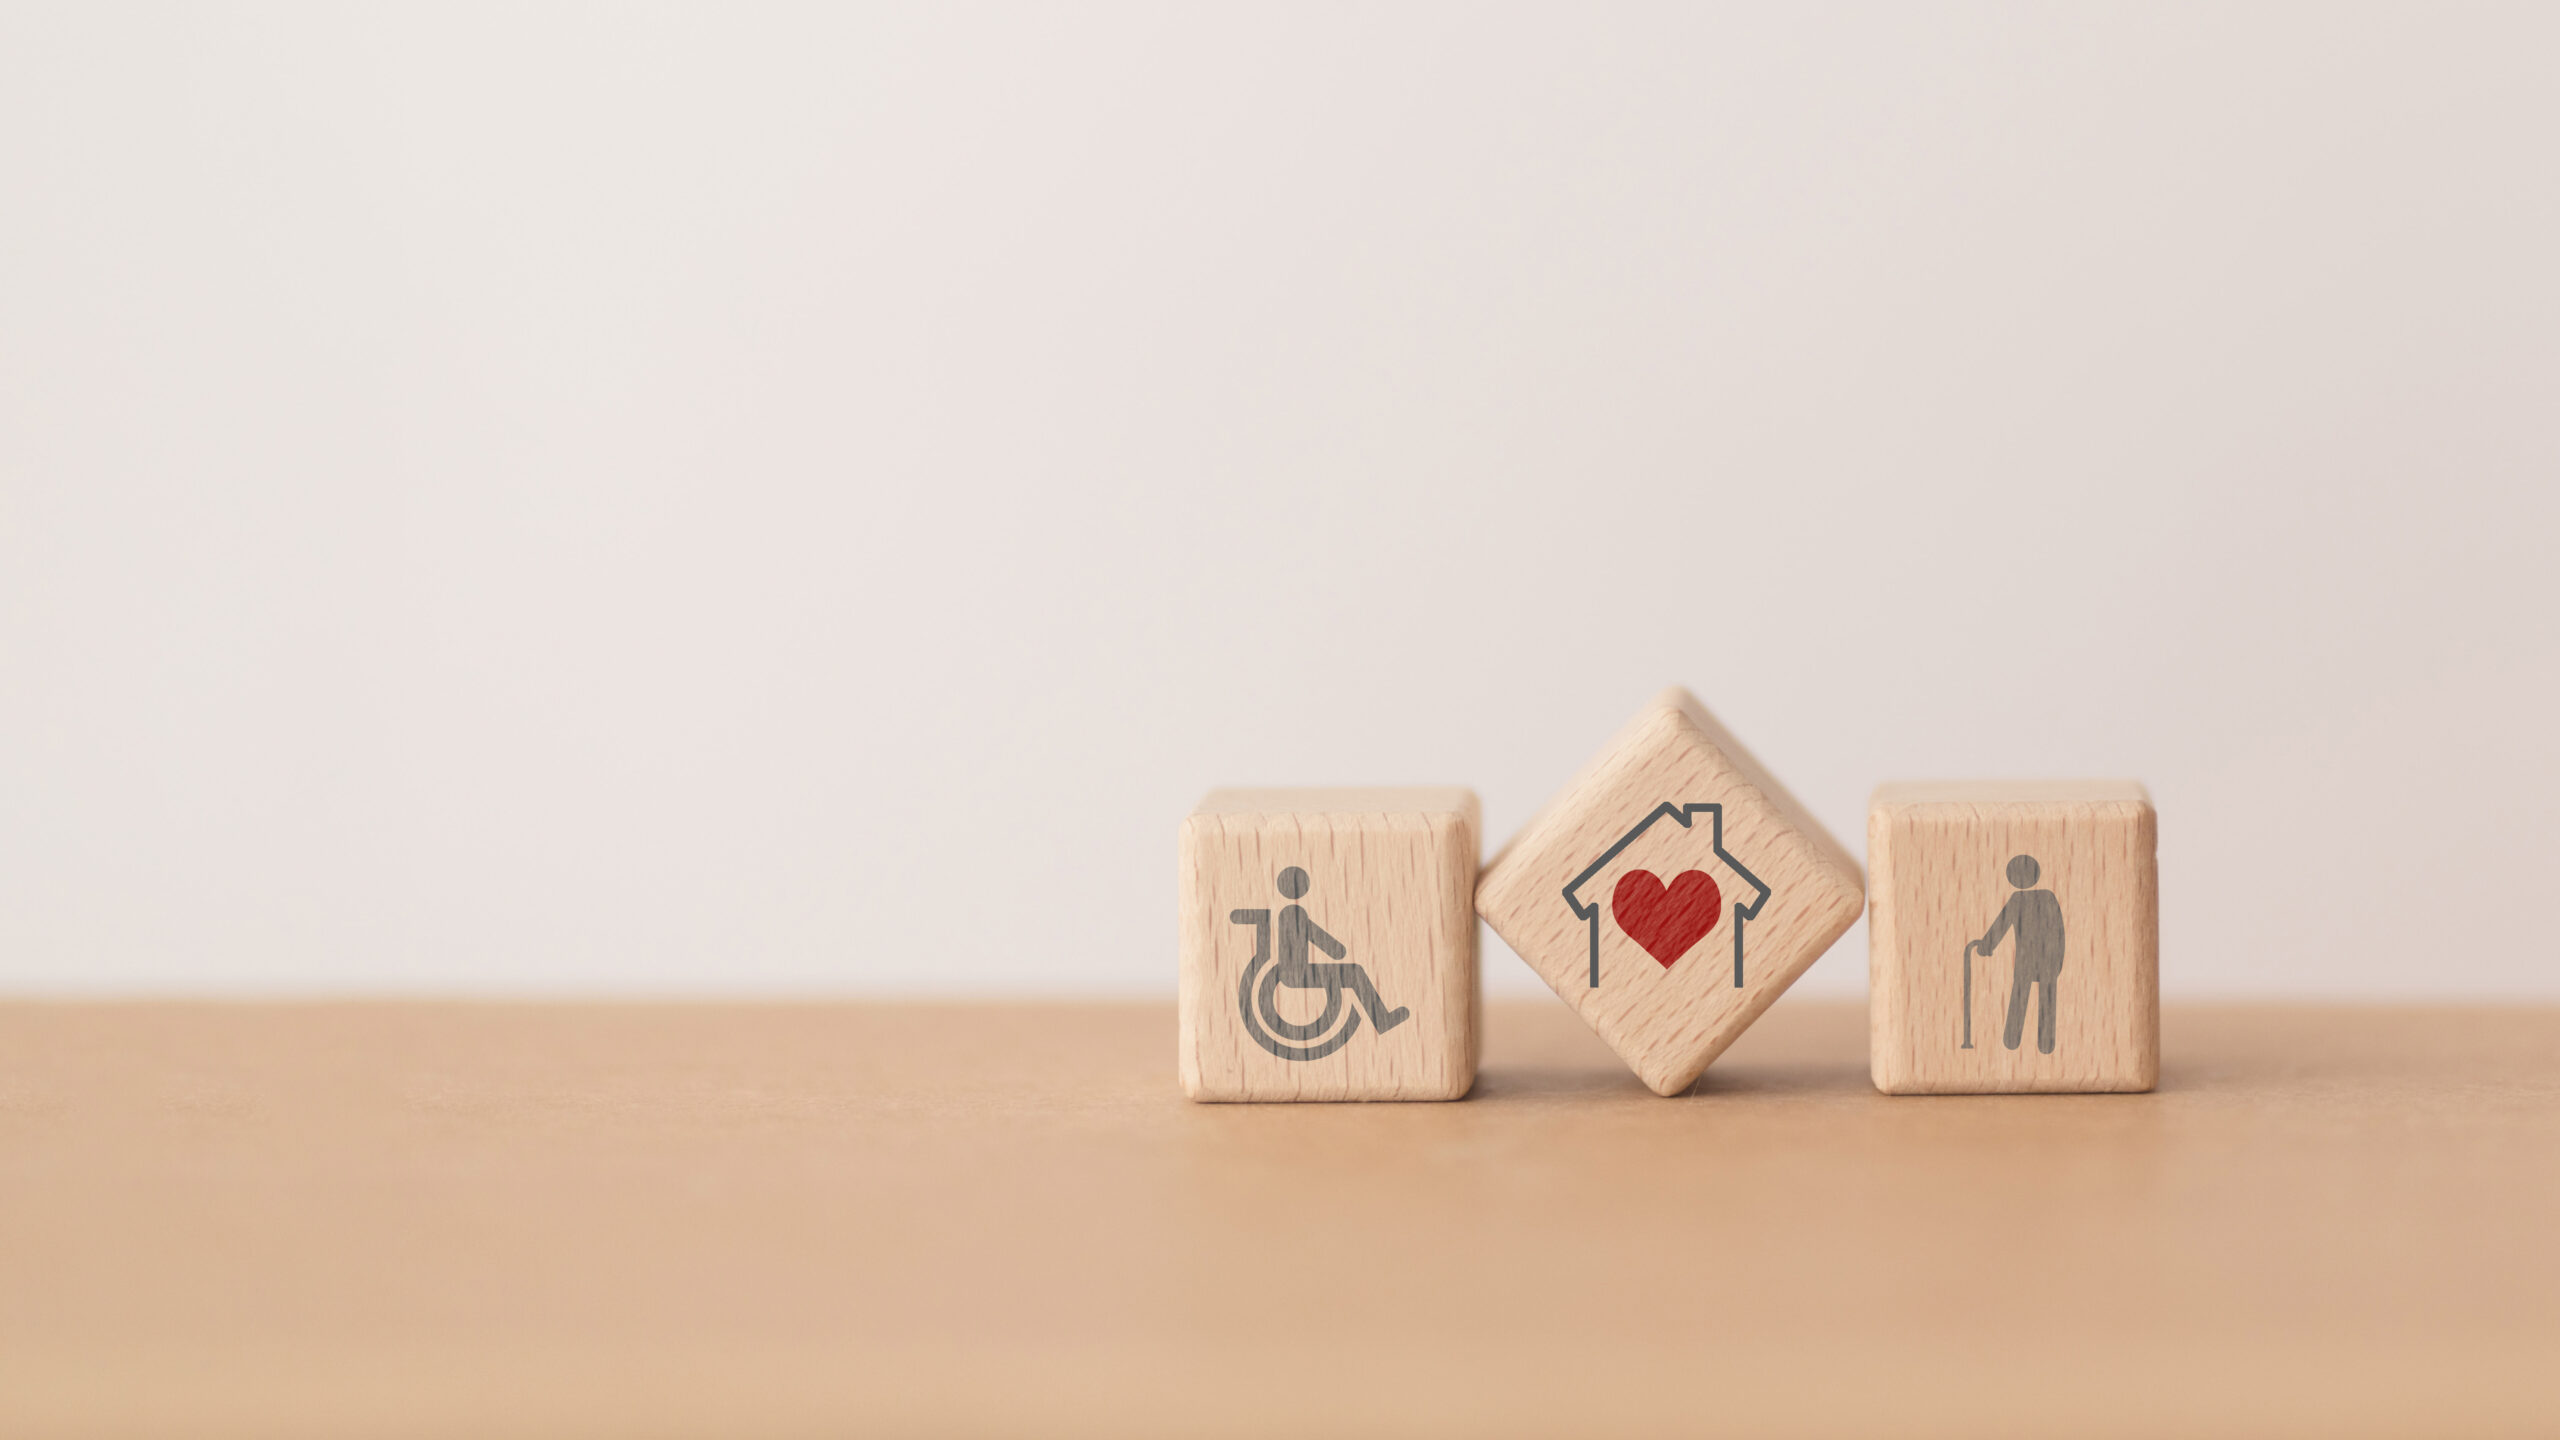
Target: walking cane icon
x=1968 y=995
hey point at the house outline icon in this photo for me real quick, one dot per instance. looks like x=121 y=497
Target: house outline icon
x=1684 y=816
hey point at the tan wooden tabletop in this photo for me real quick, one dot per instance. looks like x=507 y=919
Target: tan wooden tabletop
x=631 y=1220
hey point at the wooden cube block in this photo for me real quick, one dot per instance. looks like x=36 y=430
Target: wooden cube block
x=1329 y=945
x=1671 y=891
x=2014 y=944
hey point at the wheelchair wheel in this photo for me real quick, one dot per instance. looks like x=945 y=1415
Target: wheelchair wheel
x=1257 y=998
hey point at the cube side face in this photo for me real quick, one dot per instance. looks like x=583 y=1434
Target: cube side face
x=1660 y=873
x=1270 y=1012
x=2068 y=1000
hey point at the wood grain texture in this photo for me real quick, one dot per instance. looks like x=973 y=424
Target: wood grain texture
x=1938 y=854
x=1390 y=875
x=570 y=1221
x=1670 y=1022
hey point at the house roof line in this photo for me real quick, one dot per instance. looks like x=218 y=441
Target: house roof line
x=1682 y=814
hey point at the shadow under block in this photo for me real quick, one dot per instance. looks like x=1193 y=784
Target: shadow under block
x=2063 y=877
x=1329 y=945
x=1671 y=891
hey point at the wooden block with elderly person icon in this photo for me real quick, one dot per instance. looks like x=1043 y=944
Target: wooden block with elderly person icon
x=2014 y=937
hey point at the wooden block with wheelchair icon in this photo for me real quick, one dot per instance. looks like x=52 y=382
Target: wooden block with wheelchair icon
x=2013 y=937
x=1328 y=944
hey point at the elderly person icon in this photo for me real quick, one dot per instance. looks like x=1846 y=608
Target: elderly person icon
x=1297 y=932
x=2035 y=916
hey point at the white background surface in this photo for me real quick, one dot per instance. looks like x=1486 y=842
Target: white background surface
x=602 y=500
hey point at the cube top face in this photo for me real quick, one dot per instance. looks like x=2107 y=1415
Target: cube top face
x=2062 y=877
x=1328 y=945
x=1671 y=891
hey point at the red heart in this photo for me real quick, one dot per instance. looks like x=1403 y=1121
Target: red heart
x=1666 y=919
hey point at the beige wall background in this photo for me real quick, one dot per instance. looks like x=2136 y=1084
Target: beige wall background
x=752 y=500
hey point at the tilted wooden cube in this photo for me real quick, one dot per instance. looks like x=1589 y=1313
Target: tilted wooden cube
x=1329 y=945
x=2014 y=943
x=1671 y=891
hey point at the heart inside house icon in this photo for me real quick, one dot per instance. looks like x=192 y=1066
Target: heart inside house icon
x=1668 y=920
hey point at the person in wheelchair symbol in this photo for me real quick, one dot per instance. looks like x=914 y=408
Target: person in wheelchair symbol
x=1257 y=995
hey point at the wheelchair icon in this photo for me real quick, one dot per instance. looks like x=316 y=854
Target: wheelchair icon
x=1257 y=994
